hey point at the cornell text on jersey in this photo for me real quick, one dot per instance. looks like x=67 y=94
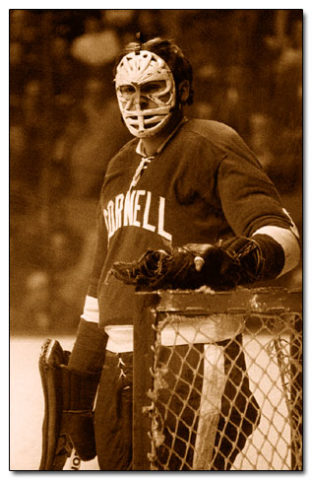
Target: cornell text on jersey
x=136 y=208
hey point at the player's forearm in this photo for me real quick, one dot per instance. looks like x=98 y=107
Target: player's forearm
x=89 y=349
x=287 y=241
x=269 y=253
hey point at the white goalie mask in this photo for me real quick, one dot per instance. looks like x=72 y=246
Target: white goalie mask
x=145 y=91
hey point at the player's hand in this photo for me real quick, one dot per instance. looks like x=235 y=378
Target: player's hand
x=199 y=251
x=188 y=267
x=215 y=266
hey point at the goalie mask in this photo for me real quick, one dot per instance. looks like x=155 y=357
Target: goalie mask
x=146 y=92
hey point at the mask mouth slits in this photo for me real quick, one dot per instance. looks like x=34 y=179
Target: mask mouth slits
x=144 y=78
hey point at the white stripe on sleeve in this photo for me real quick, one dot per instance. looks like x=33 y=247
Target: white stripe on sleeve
x=91 y=310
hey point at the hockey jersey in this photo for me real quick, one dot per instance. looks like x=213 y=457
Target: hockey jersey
x=204 y=185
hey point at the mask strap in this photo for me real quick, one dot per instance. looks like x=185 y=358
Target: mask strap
x=138 y=47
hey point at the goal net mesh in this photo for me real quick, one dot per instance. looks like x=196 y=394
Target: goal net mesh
x=227 y=392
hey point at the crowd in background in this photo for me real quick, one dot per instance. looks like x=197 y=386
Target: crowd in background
x=65 y=126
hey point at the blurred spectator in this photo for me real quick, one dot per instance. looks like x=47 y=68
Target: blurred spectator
x=204 y=110
x=233 y=99
x=149 y=23
x=18 y=20
x=260 y=136
x=42 y=308
x=98 y=136
x=123 y=22
x=17 y=72
x=37 y=304
x=97 y=46
x=42 y=259
x=287 y=69
x=67 y=74
x=63 y=249
x=32 y=104
x=118 y=18
x=18 y=143
x=31 y=126
x=280 y=155
x=285 y=106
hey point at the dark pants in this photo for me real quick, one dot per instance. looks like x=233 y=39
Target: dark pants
x=113 y=413
x=178 y=405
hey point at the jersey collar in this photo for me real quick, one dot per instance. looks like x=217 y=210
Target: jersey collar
x=140 y=147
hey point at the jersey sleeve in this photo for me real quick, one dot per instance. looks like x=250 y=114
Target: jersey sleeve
x=91 y=306
x=248 y=197
x=99 y=256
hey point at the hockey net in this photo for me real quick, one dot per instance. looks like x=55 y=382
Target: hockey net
x=227 y=384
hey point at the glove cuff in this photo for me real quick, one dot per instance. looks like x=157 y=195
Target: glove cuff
x=273 y=257
x=88 y=353
x=260 y=257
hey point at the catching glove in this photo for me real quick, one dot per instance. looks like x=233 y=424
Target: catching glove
x=238 y=261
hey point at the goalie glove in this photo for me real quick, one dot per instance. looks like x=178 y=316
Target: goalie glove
x=238 y=261
x=80 y=381
x=261 y=257
x=158 y=269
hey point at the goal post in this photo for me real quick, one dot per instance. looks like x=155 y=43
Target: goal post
x=218 y=380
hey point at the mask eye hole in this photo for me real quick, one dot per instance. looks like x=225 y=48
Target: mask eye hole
x=127 y=90
x=155 y=87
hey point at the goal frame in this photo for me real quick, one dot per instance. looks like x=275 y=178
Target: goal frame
x=151 y=306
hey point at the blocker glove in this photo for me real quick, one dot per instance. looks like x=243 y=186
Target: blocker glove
x=238 y=261
x=80 y=381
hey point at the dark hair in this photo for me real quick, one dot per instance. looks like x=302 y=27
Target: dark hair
x=172 y=54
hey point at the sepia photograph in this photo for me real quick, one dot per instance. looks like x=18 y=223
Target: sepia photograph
x=155 y=240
